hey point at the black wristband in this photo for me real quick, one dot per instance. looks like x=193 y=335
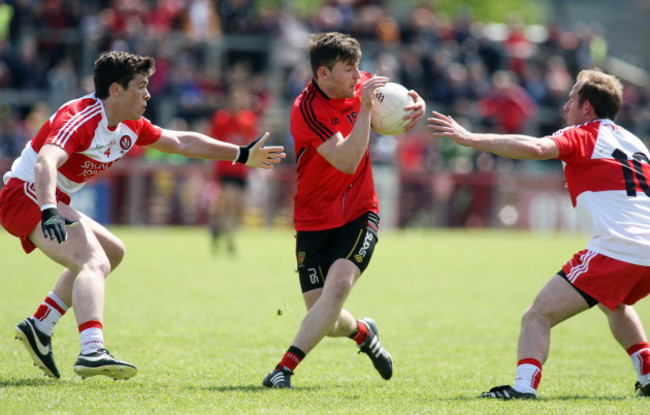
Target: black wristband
x=243 y=155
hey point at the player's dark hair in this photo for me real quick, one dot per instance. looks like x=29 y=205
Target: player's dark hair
x=326 y=49
x=120 y=67
x=604 y=92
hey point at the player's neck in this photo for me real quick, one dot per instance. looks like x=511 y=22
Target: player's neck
x=113 y=116
x=329 y=92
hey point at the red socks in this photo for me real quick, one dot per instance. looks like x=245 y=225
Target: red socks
x=361 y=335
x=294 y=355
x=292 y=358
x=48 y=313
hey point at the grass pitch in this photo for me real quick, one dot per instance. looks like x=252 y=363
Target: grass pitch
x=204 y=329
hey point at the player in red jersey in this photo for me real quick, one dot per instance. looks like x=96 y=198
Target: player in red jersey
x=84 y=137
x=236 y=124
x=336 y=210
x=607 y=172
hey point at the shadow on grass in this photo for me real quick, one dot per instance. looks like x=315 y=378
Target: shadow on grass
x=4 y=383
x=244 y=388
x=588 y=398
x=544 y=399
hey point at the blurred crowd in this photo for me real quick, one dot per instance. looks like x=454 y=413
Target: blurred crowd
x=499 y=77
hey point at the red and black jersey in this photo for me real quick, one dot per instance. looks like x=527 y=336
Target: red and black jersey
x=326 y=197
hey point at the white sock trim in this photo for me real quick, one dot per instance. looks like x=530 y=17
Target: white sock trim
x=58 y=301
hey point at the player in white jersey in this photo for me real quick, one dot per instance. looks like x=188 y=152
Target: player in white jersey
x=607 y=171
x=84 y=137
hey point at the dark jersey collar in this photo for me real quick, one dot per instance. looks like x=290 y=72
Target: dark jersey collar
x=314 y=84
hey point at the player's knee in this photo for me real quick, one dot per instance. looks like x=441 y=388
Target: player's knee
x=340 y=286
x=116 y=255
x=528 y=316
x=98 y=265
x=332 y=331
x=532 y=315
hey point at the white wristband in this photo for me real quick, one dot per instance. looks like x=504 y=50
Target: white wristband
x=237 y=156
x=48 y=206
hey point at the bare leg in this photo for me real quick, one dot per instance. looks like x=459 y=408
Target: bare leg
x=89 y=254
x=326 y=316
x=233 y=205
x=86 y=262
x=625 y=325
x=113 y=248
x=556 y=302
x=344 y=325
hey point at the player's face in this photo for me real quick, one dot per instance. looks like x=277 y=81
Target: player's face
x=574 y=111
x=343 y=79
x=133 y=100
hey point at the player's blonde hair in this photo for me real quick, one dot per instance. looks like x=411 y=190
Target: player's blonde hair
x=604 y=92
x=330 y=47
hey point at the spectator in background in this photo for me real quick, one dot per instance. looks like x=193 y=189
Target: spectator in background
x=29 y=70
x=557 y=80
x=13 y=131
x=517 y=46
x=408 y=68
x=201 y=22
x=509 y=107
x=236 y=124
x=68 y=29
x=11 y=141
x=237 y=16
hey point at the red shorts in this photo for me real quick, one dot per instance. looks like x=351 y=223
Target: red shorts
x=608 y=280
x=19 y=210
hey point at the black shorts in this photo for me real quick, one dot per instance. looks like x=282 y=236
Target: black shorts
x=591 y=301
x=240 y=182
x=316 y=251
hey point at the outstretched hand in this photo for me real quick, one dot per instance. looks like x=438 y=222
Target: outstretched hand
x=254 y=154
x=446 y=126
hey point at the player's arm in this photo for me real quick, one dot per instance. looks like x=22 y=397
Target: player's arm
x=49 y=159
x=196 y=145
x=346 y=153
x=516 y=146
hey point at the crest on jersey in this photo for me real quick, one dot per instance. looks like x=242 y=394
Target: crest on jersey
x=301 y=257
x=125 y=142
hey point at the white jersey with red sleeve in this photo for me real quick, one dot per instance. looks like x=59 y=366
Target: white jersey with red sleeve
x=607 y=170
x=80 y=127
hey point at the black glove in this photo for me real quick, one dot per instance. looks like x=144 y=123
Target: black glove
x=53 y=224
x=244 y=151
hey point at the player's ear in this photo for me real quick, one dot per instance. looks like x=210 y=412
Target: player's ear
x=323 y=73
x=587 y=109
x=115 y=88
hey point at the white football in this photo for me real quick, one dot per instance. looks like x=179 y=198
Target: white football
x=388 y=112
